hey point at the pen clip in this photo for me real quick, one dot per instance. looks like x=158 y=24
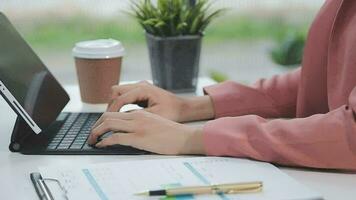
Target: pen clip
x=237 y=188
x=63 y=189
x=46 y=192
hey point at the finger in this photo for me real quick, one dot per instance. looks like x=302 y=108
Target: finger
x=135 y=95
x=118 y=90
x=110 y=115
x=113 y=125
x=126 y=139
x=151 y=109
x=110 y=125
x=102 y=118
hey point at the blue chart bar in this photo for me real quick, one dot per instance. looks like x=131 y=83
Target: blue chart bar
x=201 y=178
x=196 y=173
x=94 y=184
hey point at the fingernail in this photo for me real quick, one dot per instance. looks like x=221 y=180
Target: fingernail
x=90 y=140
x=98 y=144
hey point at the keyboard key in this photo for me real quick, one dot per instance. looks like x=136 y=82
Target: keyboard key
x=63 y=147
x=66 y=145
x=56 y=140
x=86 y=146
x=79 y=141
x=53 y=144
x=51 y=147
x=76 y=146
x=74 y=132
x=68 y=138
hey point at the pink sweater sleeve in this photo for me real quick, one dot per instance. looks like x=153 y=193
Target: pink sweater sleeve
x=320 y=141
x=274 y=97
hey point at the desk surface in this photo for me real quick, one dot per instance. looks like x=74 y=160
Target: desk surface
x=15 y=167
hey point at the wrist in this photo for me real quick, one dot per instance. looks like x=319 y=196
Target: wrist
x=197 y=108
x=194 y=144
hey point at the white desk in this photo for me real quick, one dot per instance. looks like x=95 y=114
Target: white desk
x=15 y=168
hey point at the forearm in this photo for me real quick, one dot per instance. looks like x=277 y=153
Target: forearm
x=197 y=108
x=320 y=141
x=272 y=98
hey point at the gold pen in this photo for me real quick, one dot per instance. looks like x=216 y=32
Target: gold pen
x=232 y=188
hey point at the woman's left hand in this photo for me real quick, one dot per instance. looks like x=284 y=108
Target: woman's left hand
x=147 y=131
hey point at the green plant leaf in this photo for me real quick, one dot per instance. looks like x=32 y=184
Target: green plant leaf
x=173 y=17
x=195 y=25
x=160 y=24
x=210 y=17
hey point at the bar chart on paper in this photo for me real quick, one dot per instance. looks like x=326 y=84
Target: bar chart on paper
x=122 y=180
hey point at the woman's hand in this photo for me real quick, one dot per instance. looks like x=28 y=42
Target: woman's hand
x=158 y=101
x=147 y=131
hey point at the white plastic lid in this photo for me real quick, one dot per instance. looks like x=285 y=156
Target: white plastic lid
x=98 y=49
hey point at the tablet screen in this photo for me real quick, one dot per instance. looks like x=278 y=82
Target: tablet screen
x=28 y=79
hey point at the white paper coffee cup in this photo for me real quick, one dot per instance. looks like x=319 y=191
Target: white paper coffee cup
x=99 y=49
x=98 y=64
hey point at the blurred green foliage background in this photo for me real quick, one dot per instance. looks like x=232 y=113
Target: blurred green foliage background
x=252 y=40
x=65 y=32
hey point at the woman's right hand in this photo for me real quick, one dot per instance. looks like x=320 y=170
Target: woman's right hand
x=161 y=102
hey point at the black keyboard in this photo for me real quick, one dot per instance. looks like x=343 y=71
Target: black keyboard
x=74 y=132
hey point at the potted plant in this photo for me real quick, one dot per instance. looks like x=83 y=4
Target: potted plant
x=174 y=31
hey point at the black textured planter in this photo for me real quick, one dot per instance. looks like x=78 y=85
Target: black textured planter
x=175 y=61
